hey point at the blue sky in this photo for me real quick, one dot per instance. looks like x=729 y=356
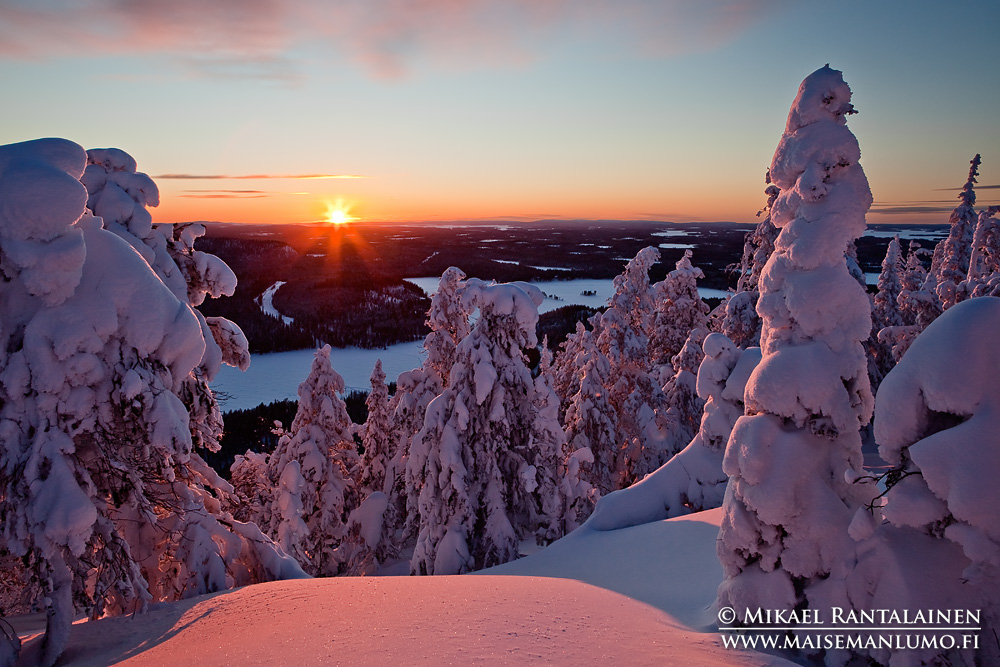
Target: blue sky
x=454 y=109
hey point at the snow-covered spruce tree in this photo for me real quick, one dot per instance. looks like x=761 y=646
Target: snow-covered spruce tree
x=885 y=314
x=565 y=370
x=622 y=333
x=313 y=469
x=741 y=324
x=591 y=424
x=448 y=320
x=937 y=420
x=679 y=310
x=950 y=264
x=693 y=480
x=119 y=194
x=984 y=264
x=886 y=311
x=481 y=491
x=371 y=527
x=251 y=486
x=684 y=406
x=911 y=303
x=415 y=390
x=784 y=542
x=376 y=436
x=104 y=498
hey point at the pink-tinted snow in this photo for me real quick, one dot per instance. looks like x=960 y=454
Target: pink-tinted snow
x=638 y=596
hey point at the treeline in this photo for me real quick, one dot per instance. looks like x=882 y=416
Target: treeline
x=254 y=428
x=343 y=316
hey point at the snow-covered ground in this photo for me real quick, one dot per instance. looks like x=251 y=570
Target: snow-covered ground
x=267 y=303
x=638 y=596
x=277 y=376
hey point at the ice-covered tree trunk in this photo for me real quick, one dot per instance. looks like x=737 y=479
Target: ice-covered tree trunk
x=480 y=486
x=100 y=486
x=784 y=541
x=313 y=468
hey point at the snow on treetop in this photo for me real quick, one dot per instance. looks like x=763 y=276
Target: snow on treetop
x=822 y=95
x=518 y=300
x=950 y=368
x=40 y=188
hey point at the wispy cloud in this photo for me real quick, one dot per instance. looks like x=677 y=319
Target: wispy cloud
x=904 y=209
x=252 y=177
x=235 y=194
x=977 y=187
x=240 y=38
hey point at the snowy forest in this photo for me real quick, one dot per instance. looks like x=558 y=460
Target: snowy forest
x=850 y=437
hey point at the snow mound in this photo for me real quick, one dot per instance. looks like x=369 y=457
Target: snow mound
x=584 y=600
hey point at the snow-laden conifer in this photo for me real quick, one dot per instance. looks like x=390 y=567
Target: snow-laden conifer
x=950 y=264
x=591 y=423
x=313 y=468
x=622 y=333
x=104 y=494
x=371 y=527
x=684 y=405
x=935 y=540
x=448 y=319
x=740 y=323
x=693 y=480
x=679 y=310
x=480 y=486
x=984 y=264
x=784 y=543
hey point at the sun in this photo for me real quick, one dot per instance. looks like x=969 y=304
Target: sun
x=338 y=214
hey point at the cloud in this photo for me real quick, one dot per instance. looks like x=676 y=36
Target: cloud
x=260 y=38
x=252 y=177
x=977 y=187
x=234 y=194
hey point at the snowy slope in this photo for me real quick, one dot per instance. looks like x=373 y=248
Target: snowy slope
x=635 y=596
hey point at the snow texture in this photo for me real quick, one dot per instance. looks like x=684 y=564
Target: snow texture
x=101 y=484
x=784 y=539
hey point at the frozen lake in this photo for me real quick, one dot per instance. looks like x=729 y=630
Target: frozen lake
x=276 y=376
x=590 y=292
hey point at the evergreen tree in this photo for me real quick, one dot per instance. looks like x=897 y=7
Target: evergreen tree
x=741 y=324
x=679 y=311
x=591 y=423
x=480 y=491
x=313 y=468
x=784 y=541
x=984 y=264
x=376 y=437
x=622 y=333
x=950 y=264
x=105 y=498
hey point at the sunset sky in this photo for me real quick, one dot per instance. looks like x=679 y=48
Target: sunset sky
x=500 y=109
